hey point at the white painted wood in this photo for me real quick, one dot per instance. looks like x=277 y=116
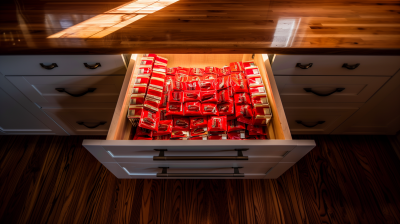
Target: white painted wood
x=136 y=156
x=332 y=65
x=67 y=64
x=379 y=116
x=68 y=118
x=20 y=116
x=42 y=89
x=310 y=114
x=357 y=88
x=278 y=170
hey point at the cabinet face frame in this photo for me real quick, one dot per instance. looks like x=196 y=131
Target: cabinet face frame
x=119 y=132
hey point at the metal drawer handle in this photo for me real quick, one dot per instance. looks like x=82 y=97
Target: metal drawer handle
x=310 y=126
x=309 y=90
x=49 y=67
x=95 y=126
x=92 y=66
x=62 y=90
x=235 y=173
x=239 y=156
x=350 y=67
x=306 y=66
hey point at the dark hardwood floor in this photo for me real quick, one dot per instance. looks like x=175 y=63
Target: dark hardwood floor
x=53 y=179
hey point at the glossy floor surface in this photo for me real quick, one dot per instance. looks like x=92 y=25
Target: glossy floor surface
x=345 y=179
x=193 y=26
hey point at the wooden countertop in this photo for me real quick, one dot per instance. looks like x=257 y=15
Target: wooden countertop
x=201 y=26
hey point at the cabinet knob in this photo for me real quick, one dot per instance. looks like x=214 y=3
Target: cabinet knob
x=164 y=173
x=309 y=90
x=92 y=66
x=49 y=67
x=310 y=126
x=350 y=67
x=62 y=90
x=306 y=66
x=94 y=126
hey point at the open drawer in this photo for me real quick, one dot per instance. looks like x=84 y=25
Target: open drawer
x=226 y=159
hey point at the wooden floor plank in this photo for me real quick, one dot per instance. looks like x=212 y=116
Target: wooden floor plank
x=54 y=179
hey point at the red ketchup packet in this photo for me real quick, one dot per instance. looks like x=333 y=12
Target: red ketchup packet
x=174 y=109
x=209 y=77
x=163 y=101
x=217 y=123
x=169 y=83
x=238 y=75
x=137 y=99
x=142 y=80
x=145 y=70
x=191 y=85
x=172 y=71
x=175 y=96
x=256 y=130
x=198 y=122
x=181 y=124
x=149 y=55
x=190 y=96
x=226 y=70
x=211 y=70
x=246 y=120
x=261 y=121
x=223 y=96
x=259 y=100
x=196 y=71
x=155 y=93
x=192 y=109
x=207 y=84
x=217 y=136
x=136 y=137
x=198 y=132
x=244 y=111
x=236 y=66
x=151 y=104
x=254 y=80
x=202 y=137
x=164 y=116
x=234 y=125
x=209 y=109
x=177 y=84
x=139 y=89
x=237 y=135
x=144 y=132
x=209 y=96
x=147 y=61
x=258 y=90
x=239 y=85
x=252 y=71
x=247 y=64
x=162 y=137
x=223 y=82
x=164 y=128
x=134 y=111
x=226 y=108
x=262 y=111
x=149 y=120
x=183 y=71
x=161 y=59
x=242 y=98
x=180 y=135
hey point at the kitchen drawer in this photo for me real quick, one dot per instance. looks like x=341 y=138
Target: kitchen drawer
x=66 y=65
x=95 y=121
x=332 y=65
x=123 y=157
x=328 y=89
x=317 y=118
x=43 y=89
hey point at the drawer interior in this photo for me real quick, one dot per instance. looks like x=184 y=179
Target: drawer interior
x=122 y=129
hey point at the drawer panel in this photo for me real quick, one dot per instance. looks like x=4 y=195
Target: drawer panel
x=67 y=65
x=332 y=65
x=313 y=116
x=342 y=88
x=67 y=118
x=43 y=89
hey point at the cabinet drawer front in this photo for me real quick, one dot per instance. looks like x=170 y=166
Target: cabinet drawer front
x=44 y=89
x=328 y=89
x=316 y=120
x=66 y=65
x=68 y=118
x=332 y=65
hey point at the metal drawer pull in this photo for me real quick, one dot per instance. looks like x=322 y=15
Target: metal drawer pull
x=310 y=126
x=306 y=66
x=309 y=90
x=235 y=173
x=62 y=90
x=95 y=126
x=49 y=67
x=239 y=156
x=350 y=67
x=92 y=66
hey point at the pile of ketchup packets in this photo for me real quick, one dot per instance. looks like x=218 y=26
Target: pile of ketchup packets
x=198 y=104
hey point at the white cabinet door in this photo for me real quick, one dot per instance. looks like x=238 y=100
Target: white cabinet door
x=332 y=65
x=328 y=89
